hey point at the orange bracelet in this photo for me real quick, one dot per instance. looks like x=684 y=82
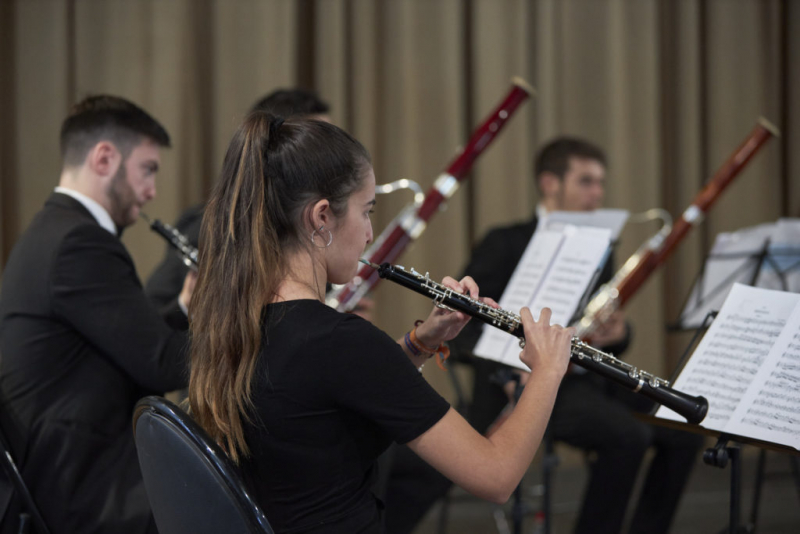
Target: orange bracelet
x=442 y=350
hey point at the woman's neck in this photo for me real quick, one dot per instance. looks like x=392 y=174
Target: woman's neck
x=305 y=279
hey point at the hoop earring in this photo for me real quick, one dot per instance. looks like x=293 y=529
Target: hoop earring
x=318 y=233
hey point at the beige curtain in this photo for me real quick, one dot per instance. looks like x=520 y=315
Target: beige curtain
x=669 y=88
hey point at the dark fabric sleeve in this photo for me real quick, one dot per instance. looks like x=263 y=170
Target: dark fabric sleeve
x=164 y=285
x=174 y=316
x=95 y=289
x=166 y=281
x=372 y=376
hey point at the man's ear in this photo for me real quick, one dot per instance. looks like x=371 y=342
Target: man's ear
x=549 y=184
x=104 y=159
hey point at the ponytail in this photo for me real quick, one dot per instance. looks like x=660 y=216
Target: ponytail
x=271 y=172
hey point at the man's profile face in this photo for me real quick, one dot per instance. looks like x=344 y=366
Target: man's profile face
x=134 y=184
x=583 y=186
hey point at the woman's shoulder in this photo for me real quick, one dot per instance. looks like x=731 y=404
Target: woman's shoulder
x=318 y=317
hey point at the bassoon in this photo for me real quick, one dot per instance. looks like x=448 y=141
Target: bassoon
x=630 y=277
x=693 y=408
x=411 y=222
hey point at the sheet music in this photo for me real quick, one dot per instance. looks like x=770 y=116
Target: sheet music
x=770 y=409
x=572 y=270
x=613 y=219
x=554 y=272
x=744 y=342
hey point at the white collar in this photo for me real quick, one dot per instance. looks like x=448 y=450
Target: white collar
x=541 y=211
x=98 y=212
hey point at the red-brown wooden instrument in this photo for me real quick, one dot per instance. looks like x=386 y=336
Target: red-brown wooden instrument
x=640 y=266
x=411 y=222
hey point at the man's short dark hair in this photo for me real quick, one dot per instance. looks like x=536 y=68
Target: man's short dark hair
x=104 y=117
x=554 y=156
x=291 y=103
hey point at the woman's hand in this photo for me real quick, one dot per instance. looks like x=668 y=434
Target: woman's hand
x=443 y=325
x=547 y=347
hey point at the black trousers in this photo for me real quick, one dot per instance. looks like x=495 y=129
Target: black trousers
x=409 y=486
x=597 y=416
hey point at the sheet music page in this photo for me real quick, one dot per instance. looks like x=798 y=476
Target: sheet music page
x=537 y=258
x=554 y=272
x=770 y=409
x=573 y=268
x=613 y=219
x=726 y=361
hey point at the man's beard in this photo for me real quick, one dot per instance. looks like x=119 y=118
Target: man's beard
x=121 y=198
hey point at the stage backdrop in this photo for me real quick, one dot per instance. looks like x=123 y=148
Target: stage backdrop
x=668 y=88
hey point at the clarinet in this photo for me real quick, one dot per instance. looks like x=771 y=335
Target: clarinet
x=694 y=409
x=181 y=244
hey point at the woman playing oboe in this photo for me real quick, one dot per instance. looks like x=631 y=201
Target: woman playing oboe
x=304 y=398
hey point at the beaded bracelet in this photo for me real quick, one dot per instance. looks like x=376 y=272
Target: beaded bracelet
x=417 y=347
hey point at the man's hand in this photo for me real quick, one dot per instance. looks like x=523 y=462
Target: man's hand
x=185 y=298
x=610 y=332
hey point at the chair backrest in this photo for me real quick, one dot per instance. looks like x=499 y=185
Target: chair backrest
x=190 y=482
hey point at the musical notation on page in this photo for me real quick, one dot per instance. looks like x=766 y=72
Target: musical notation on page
x=748 y=367
x=555 y=271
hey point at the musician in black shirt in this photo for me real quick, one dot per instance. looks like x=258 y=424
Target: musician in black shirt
x=302 y=397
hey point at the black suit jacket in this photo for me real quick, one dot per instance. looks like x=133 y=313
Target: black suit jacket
x=80 y=344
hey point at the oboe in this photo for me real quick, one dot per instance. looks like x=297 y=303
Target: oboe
x=181 y=244
x=694 y=409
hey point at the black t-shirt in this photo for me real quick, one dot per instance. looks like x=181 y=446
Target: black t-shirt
x=331 y=393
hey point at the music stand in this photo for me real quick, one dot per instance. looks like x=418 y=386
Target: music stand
x=724 y=451
x=765 y=256
x=727 y=449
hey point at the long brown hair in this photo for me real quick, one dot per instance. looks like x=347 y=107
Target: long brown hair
x=272 y=172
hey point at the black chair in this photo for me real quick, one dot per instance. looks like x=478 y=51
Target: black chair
x=192 y=485
x=29 y=520
x=29 y=516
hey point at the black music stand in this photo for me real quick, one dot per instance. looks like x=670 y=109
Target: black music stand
x=768 y=265
x=728 y=449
